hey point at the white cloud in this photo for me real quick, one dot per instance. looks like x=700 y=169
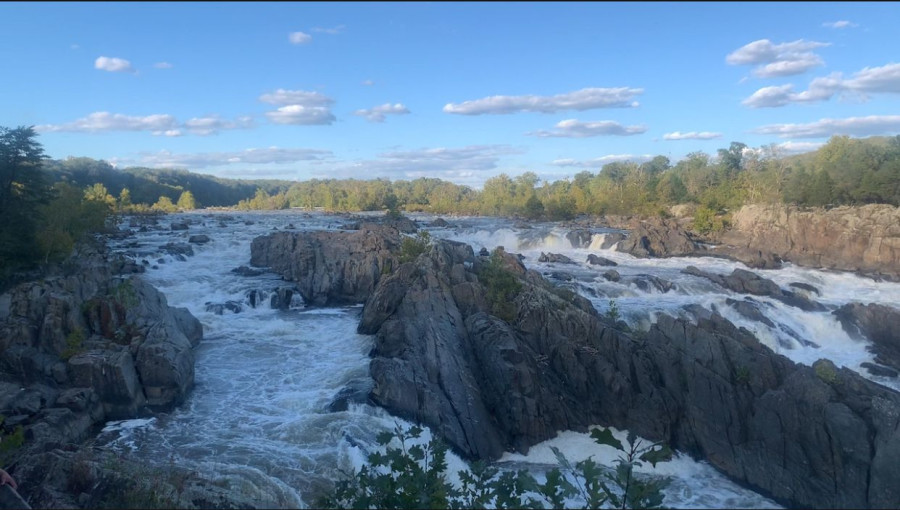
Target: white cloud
x=599 y=162
x=584 y=99
x=159 y=124
x=301 y=115
x=774 y=60
x=464 y=163
x=104 y=121
x=368 y=83
x=692 y=135
x=840 y=24
x=870 y=80
x=330 y=31
x=162 y=65
x=291 y=97
x=824 y=128
x=798 y=147
x=379 y=113
x=299 y=38
x=271 y=155
x=213 y=124
x=572 y=128
x=113 y=64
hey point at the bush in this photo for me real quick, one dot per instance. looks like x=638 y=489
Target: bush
x=502 y=287
x=414 y=476
x=412 y=247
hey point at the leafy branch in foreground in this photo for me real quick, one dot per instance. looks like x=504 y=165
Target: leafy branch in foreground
x=414 y=476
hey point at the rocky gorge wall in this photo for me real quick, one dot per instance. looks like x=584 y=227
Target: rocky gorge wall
x=865 y=239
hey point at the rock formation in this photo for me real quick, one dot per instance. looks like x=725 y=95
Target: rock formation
x=864 y=239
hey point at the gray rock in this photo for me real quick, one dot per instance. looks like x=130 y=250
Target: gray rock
x=600 y=261
x=748 y=282
x=612 y=275
x=580 y=238
x=199 y=239
x=555 y=258
x=179 y=226
x=878 y=323
x=658 y=238
x=611 y=239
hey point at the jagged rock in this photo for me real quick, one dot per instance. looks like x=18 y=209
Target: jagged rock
x=555 y=258
x=879 y=370
x=247 y=271
x=646 y=282
x=282 y=298
x=600 y=261
x=562 y=276
x=440 y=223
x=199 y=239
x=356 y=392
x=658 y=238
x=611 y=239
x=178 y=249
x=219 y=308
x=612 y=275
x=878 y=323
x=807 y=287
x=748 y=282
x=580 y=238
x=488 y=385
x=330 y=267
x=864 y=239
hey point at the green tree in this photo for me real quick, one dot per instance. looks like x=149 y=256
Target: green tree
x=22 y=191
x=124 y=202
x=186 y=201
x=164 y=204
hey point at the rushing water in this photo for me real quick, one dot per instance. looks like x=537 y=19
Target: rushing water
x=258 y=415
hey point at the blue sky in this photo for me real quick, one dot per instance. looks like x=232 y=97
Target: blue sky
x=459 y=91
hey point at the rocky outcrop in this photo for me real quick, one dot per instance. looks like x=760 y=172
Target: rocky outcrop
x=878 y=323
x=658 y=238
x=443 y=357
x=748 y=282
x=864 y=239
x=330 y=267
x=87 y=346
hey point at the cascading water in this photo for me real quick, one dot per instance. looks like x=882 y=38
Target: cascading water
x=263 y=412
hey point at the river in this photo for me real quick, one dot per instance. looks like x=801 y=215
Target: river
x=258 y=415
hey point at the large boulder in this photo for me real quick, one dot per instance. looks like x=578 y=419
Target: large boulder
x=658 y=238
x=330 y=267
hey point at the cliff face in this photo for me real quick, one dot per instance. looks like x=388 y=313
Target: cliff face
x=864 y=239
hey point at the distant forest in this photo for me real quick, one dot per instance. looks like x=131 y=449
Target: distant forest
x=843 y=171
x=48 y=204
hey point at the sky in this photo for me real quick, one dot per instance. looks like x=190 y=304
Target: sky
x=459 y=91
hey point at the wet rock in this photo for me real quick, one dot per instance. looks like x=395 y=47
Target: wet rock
x=483 y=252
x=580 y=238
x=600 y=261
x=199 y=239
x=612 y=275
x=879 y=370
x=806 y=287
x=178 y=249
x=562 y=276
x=179 y=226
x=247 y=271
x=648 y=282
x=356 y=392
x=749 y=308
x=555 y=258
x=281 y=299
x=440 y=223
x=611 y=239
x=748 y=282
x=220 y=308
x=878 y=323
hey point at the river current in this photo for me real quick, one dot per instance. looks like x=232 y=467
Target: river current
x=258 y=415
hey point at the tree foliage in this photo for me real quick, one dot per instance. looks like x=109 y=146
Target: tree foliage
x=406 y=473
